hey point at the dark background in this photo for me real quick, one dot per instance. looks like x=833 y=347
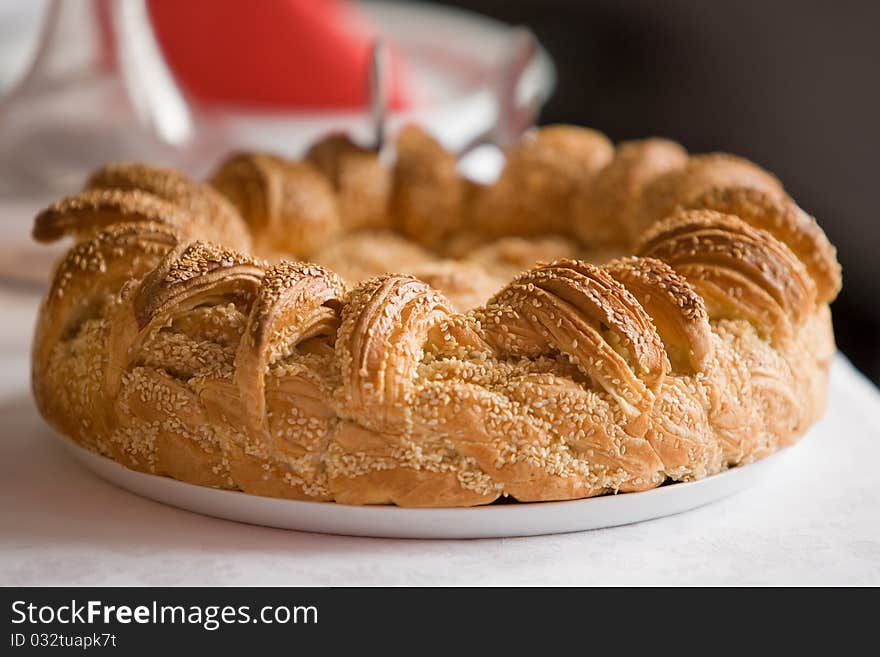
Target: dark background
x=794 y=86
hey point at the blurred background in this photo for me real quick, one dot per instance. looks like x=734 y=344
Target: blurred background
x=792 y=85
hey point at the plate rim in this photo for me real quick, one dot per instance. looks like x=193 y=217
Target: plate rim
x=505 y=520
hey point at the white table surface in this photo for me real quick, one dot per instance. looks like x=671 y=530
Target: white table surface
x=816 y=520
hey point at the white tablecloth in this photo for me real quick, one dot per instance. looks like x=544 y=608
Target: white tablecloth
x=816 y=520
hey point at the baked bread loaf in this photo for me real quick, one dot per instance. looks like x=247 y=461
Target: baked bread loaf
x=501 y=360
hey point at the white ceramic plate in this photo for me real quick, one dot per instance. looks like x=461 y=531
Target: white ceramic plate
x=494 y=521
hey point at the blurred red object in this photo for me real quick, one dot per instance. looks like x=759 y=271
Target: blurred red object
x=284 y=54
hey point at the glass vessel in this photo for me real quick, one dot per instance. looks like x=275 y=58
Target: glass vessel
x=98 y=90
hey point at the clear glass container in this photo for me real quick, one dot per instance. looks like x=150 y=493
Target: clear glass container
x=98 y=90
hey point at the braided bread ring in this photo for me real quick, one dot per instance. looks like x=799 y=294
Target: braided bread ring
x=165 y=345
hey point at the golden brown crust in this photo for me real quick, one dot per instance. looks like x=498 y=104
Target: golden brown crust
x=191 y=275
x=580 y=311
x=681 y=186
x=362 y=255
x=290 y=207
x=466 y=284
x=606 y=212
x=428 y=193
x=782 y=218
x=295 y=302
x=84 y=214
x=677 y=310
x=82 y=287
x=757 y=276
x=214 y=218
x=384 y=324
x=540 y=182
x=361 y=182
x=507 y=257
x=166 y=346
